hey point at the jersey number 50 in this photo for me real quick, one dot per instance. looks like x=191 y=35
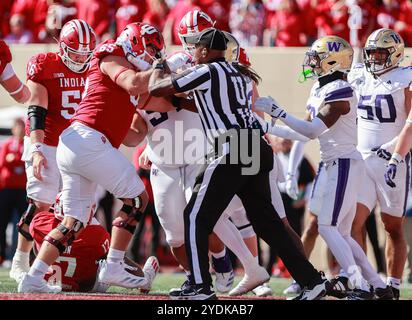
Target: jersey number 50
x=365 y=103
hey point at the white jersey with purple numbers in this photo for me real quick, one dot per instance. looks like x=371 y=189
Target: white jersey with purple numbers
x=340 y=140
x=381 y=106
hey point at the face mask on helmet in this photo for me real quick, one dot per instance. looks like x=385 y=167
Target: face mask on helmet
x=377 y=60
x=311 y=65
x=75 y=60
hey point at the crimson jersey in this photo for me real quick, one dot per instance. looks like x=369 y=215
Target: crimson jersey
x=105 y=106
x=77 y=266
x=64 y=91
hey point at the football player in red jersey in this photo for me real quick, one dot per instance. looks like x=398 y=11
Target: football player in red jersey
x=88 y=155
x=78 y=266
x=8 y=79
x=56 y=82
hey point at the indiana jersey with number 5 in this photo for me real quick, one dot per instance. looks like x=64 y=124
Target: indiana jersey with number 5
x=381 y=107
x=64 y=90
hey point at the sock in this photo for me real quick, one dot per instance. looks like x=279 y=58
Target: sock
x=38 y=269
x=361 y=259
x=115 y=255
x=343 y=254
x=220 y=254
x=230 y=236
x=394 y=282
x=21 y=256
x=342 y=273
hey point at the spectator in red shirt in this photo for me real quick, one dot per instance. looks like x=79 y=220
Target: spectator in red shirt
x=369 y=12
x=30 y=10
x=285 y=26
x=332 y=19
x=247 y=18
x=157 y=13
x=12 y=181
x=170 y=31
x=5 y=9
x=388 y=14
x=219 y=11
x=404 y=25
x=129 y=11
x=18 y=31
x=97 y=14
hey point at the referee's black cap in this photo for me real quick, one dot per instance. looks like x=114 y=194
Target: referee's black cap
x=211 y=38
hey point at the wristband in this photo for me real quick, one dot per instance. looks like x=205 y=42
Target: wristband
x=396 y=159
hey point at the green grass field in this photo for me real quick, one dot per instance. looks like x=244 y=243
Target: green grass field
x=165 y=281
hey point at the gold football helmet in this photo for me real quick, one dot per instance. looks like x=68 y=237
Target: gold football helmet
x=327 y=55
x=383 y=50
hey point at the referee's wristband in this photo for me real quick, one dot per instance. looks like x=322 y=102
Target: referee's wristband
x=37 y=147
x=395 y=159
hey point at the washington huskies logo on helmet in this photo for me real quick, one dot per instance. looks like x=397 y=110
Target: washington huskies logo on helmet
x=327 y=55
x=384 y=49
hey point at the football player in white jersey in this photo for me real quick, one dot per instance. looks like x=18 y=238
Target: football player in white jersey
x=384 y=93
x=332 y=108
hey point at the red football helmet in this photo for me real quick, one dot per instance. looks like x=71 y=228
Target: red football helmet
x=142 y=35
x=192 y=23
x=77 y=43
x=243 y=57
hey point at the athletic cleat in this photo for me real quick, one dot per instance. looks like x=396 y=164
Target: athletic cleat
x=30 y=284
x=122 y=275
x=263 y=291
x=150 y=270
x=385 y=293
x=224 y=273
x=359 y=294
x=294 y=288
x=194 y=292
x=340 y=287
x=176 y=291
x=99 y=286
x=315 y=292
x=18 y=270
x=396 y=293
x=250 y=281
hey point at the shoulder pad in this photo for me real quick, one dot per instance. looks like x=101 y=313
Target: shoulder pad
x=40 y=67
x=108 y=48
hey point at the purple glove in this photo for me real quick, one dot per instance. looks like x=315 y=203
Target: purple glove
x=390 y=175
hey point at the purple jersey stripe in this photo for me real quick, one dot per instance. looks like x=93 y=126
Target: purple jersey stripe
x=408 y=181
x=316 y=179
x=339 y=94
x=343 y=174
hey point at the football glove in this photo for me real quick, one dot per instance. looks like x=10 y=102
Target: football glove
x=270 y=106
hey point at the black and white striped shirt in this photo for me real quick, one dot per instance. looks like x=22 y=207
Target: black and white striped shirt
x=222 y=94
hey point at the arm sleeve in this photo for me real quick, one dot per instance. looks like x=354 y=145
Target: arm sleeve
x=312 y=129
x=390 y=145
x=287 y=133
x=295 y=157
x=193 y=78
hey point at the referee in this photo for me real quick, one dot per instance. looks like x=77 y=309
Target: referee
x=222 y=97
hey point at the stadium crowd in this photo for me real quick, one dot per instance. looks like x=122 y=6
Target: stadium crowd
x=280 y=23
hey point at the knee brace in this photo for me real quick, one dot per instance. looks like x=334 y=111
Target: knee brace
x=133 y=214
x=26 y=218
x=69 y=235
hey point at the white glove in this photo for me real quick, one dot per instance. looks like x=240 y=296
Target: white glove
x=136 y=61
x=291 y=186
x=178 y=60
x=270 y=106
x=144 y=161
